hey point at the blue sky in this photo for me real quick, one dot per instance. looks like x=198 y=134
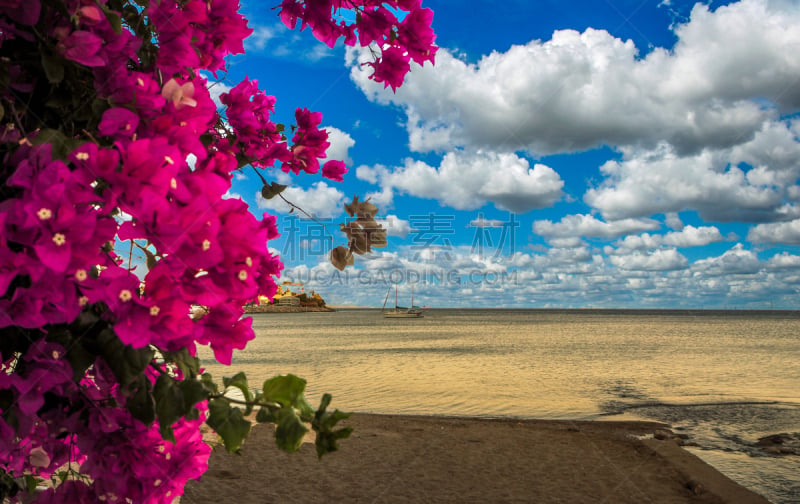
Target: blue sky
x=604 y=153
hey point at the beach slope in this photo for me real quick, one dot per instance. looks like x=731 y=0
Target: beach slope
x=394 y=459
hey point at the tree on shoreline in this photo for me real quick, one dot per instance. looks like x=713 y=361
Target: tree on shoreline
x=102 y=104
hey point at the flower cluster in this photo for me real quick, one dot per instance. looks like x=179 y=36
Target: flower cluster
x=376 y=25
x=109 y=134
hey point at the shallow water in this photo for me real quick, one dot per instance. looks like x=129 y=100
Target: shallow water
x=724 y=378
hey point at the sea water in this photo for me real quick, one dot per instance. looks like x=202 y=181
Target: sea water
x=725 y=379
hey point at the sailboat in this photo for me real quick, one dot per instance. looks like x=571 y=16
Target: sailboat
x=400 y=311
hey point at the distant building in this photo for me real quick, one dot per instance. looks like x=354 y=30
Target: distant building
x=288 y=301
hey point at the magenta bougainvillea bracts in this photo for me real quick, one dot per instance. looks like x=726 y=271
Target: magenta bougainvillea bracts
x=108 y=134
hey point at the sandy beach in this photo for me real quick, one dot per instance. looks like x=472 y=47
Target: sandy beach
x=409 y=459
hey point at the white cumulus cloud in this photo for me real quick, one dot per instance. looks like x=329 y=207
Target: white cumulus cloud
x=749 y=182
x=690 y=236
x=736 y=261
x=776 y=232
x=468 y=180
x=320 y=200
x=728 y=73
x=658 y=260
x=395 y=226
x=589 y=226
x=341 y=142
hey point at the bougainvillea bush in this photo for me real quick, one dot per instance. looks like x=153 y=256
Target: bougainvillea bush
x=108 y=135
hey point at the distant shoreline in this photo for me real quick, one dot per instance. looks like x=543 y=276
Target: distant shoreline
x=606 y=311
x=271 y=308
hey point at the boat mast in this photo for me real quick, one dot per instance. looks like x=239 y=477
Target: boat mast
x=386 y=298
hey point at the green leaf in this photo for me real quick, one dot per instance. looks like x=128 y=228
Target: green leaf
x=72 y=338
x=208 y=383
x=176 y=399
x=61 y=144
x=58 y=99
x=242 y=160
x=169 y=405
x=264 y=415
x=228 y=423
x=53 y=67
x=291 y=430
x=193 y=415
x=113 y=18
x=286 y=390
x=99 y=106
x=8 y=485
x=324 y=424
x=152 y=260
x=49 y=136
x=126 y=362
x=141 y=404
x=272 y=190
x=30 y=482
x=193 y=393
x=206 y=139
x=239 y=380
x=186 y=362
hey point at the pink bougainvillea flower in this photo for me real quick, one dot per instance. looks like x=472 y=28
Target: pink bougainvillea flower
x=179 y=94
x=24 y=12
x=416 y=34
x=374 y=25
x=91 y=15
x=334 y=170
x=59 y=220
x=118 y=122
x=391 y=68
x=225 y=330
x=310 y=143
x=68 y=491
x=291 y=11
x=83 y=47
x=248 y=112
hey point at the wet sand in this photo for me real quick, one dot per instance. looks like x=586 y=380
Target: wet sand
x=417 y=459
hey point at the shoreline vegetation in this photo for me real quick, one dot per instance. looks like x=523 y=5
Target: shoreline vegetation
x=400 y=458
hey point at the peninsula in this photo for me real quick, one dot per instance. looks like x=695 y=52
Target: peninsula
x=290 y=298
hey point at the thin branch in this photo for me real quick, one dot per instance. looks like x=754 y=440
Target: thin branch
x=130 y=258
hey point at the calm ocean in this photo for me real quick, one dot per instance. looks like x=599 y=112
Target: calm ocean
x=724 y=378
